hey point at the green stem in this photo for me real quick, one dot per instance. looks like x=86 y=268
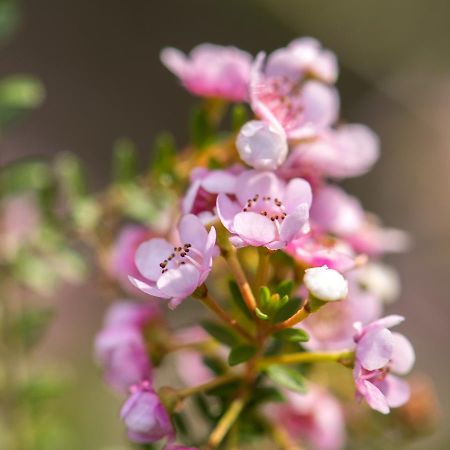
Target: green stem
x=225 y=423
x=230 y=255
x=216 y=382
x=306 y=357
x=262 y=273
x=214 y=306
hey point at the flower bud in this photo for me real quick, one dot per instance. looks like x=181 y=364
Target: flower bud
x=326 y=284
x=262 y=146
x=145 y=416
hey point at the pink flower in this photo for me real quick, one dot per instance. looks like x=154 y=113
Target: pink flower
x=334 y=211
x=132 y=313
x=122 y=353
x=316 y=417
x=201 y=197
x=211 y=70
x=171 y=446
x=331 y=328
x=285 y=98
x=145 y=416
x=348 y=151
x=315 y=250
x=122 y=255
x=262 y=145
x=379 y=354
x=266 y=211
x=174 y=272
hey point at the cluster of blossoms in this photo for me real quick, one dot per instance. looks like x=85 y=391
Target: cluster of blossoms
x=276 y=193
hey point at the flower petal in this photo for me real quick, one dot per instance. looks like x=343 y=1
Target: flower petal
x=192 y=231
x=149 y=256
x=403 y=355
x=226 y=210
x=396 y=391
x=180 y=282
x=254 y=228
x=298 y=191
x=293 y=223
x=374 y=350
x=147 y=288
x=252 y=182
x=375 y=398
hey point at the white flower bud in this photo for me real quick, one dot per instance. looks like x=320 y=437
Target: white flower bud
x=326 y=284
x=261 y=145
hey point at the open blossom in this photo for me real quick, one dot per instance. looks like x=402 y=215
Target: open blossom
x=200 y=198
x=174 y=272
x=211 y=70
x=315 y=417
x=265 y=211
x=261 y=145
x=326 y=284
x=122 y=353
x=145 y=416
x=281 y=95
x=347 y=151
x=380 y=354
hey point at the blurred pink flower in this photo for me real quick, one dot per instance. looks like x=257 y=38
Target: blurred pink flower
x=348 y=151
x=200 y=198
x=122 y=254
x=262 y=145
x=122 y=353
x=132 y=313
x=171 y=446
x=281 y=95
x=316 y=417
x=174 y=272
x=145 y=416
x=379 y=354
x=265 y=211
x=191 y=368
x=211 y=70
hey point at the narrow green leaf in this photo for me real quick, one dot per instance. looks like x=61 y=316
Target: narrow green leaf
x=285 y=288
x=261 y=315
x=292 y=335
x=219 y=332
x=201 y=128
x=238 y=299
x=125 y=164
x=240 y=354
x=288 y=310
x=264 y=297
x=163 y=153
x=287 y=377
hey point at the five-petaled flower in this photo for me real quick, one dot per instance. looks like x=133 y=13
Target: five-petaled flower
x=174 y=272
x=265 y=211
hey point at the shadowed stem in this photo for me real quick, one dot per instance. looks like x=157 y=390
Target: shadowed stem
x=225 y=423
x=262 y=273
x=241 y=279
x=214 y=306
x=294 y=358
x=299 y=316
x=216 y=382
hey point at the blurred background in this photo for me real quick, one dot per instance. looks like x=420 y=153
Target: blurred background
x=99 y=63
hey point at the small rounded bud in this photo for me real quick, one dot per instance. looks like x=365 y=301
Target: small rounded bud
x=326 y=284
x=261 y=145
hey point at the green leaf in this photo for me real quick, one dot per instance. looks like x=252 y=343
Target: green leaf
x=72 y=176
x=240 y=354
x=285 y=288
x=201 y=128
x=216 y=365
x=239 y=116
x=287 y=310
x=261 y=315
x=287 y=377
x=264 y=297
x=18 y=94
x=236 y=296
x=27 y=175
x=163 y=154
x=125 y=164
x=263 y=394
x=292 y=335
x=219 y=332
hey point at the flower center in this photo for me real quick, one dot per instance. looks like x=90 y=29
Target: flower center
x=180 y=256
x=267 y=206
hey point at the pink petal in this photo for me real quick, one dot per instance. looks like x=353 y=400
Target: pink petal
x=253 y=182
x=226 y=210
x=374 y=350
x=191 y=194
x=254 y=228
x=293 y=223
x=146 y=288
x=174 y=60
x=396 y=391
x=180 y=282
x=150 y=255
x=403 y=355
x=219 y=181
x=375 y=398
x=297 y=191
x=192 y=231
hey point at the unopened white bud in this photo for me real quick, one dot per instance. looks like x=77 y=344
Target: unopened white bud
x=261 y=145
x=326 y=284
